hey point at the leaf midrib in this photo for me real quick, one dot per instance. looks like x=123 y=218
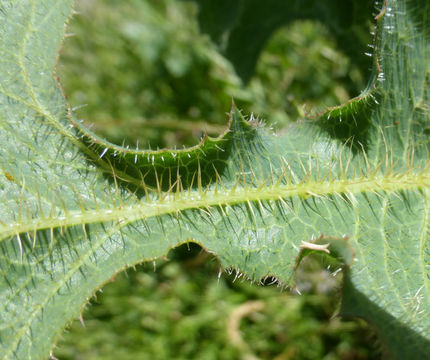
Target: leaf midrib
x=175 y=202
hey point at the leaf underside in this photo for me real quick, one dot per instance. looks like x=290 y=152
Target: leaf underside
x=75 y=210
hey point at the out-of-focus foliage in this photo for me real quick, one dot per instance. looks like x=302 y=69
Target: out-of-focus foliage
x=139 y=66
x=242 y=28
x=301 y=70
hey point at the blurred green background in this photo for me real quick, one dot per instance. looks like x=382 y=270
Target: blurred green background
x=139 y=71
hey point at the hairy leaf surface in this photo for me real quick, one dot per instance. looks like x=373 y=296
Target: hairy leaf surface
x=75 y=209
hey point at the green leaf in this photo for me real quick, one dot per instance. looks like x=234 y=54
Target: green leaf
x=75 y=209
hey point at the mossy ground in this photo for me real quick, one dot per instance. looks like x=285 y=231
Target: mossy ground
x=183 y=311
